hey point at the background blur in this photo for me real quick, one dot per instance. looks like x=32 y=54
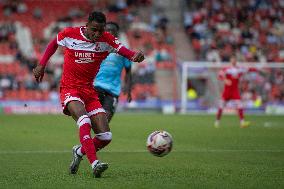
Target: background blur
x=171 y=33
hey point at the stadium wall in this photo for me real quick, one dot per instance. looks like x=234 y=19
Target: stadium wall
x=158 y=106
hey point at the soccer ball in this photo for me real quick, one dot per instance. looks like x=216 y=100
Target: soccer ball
x=159 y=143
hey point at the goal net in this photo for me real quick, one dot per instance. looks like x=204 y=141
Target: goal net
x=261 y=91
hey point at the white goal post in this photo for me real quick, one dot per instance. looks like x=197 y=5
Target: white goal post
x=186 y=67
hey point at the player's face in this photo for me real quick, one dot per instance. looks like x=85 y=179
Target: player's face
x=95 y=30
x=112 y=29
x=233 y=61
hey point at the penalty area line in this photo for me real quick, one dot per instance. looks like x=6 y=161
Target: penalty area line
x=143 y=151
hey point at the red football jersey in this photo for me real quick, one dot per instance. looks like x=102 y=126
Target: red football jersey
x=233 y=74
x=82 y=57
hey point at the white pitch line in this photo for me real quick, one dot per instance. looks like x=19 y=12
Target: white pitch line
x=142 y=151
x=272 y=124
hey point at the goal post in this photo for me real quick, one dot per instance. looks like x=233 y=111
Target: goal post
x=202 y=78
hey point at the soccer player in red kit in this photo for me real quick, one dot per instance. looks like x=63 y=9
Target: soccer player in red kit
x=231 y=76
x=85 y=48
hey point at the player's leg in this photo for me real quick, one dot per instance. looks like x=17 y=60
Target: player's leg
x=101 y=96
x=110 y=104
x=103 y=138
x=99 y=141
x=240 y=109
x=221 y=106
x=79 y=114
x=99 y=121
x=108 y=101
x=103 y=135
x=73 y=105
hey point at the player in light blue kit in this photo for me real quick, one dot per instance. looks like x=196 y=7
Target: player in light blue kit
x=108 y=79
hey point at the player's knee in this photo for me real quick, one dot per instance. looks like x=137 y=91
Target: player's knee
x=106 y=136
x=82 y=120
x=84 y=124
x=109 y=115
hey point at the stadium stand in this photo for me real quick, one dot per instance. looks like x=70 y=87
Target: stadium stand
x=217 y=28
x=253 y=31
x=41 y=21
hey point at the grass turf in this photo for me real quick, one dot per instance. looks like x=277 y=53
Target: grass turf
x=35 y=152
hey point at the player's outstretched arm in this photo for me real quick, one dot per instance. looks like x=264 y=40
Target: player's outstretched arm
x=38 y=71
x=138 y=57
x=128 y=82
x=122 y=50
x=131 y=55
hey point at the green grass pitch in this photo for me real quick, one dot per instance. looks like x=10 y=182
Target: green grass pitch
x=35 y=152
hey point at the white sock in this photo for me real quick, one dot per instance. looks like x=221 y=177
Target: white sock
x=94 y=163
x=79 y=152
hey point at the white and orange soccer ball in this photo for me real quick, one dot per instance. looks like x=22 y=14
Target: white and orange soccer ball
x=159 y=143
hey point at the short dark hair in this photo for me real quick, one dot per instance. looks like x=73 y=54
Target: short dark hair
x=97 y=16
x=114 y=24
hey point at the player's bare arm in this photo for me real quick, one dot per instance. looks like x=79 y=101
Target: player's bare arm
x=38 y=71
x=138 y=57
x=128 y=82
x=123 y=51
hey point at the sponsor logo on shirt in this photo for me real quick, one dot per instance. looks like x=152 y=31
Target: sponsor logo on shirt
x=84 y=57
x=84 y=60
x=116 y=41
x=97 y=47
x=74 y=44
